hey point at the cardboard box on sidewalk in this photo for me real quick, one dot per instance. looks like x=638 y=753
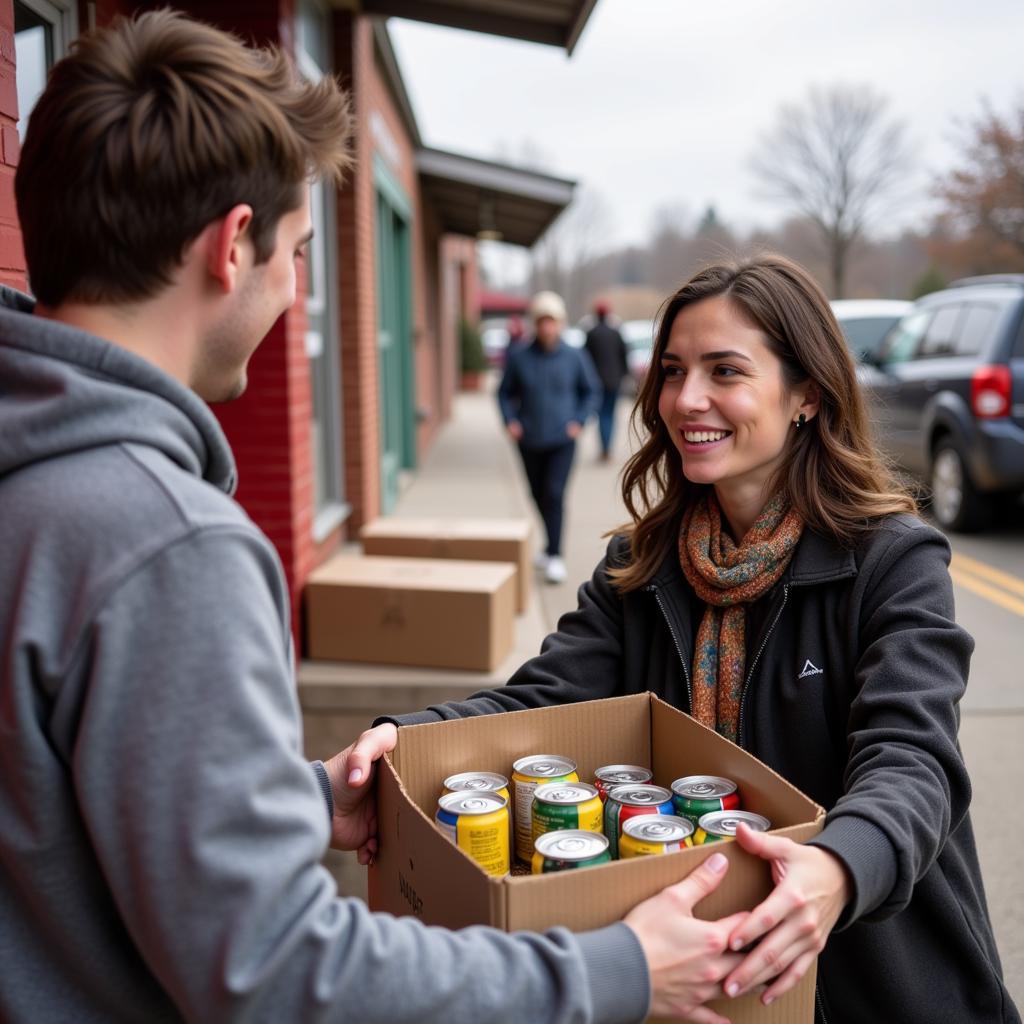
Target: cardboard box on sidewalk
x=488 y=540
x=439 y=613
x=418 y=871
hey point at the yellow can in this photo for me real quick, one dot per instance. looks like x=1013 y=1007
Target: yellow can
x=478 y=824
x=566 y=805
x=527 y=774
x=654 y=833
x=718 y=826
x=490 y=782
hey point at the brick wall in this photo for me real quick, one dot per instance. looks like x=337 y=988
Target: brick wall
x=12 y=257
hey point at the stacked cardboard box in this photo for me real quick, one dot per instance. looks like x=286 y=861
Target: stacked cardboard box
x=418 y=871
x=441 y=613
x=488 y=540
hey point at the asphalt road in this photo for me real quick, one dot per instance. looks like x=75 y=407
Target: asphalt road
x=988 y=575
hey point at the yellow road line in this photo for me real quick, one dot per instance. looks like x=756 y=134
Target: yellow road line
x=987 y=572
x=982 y=589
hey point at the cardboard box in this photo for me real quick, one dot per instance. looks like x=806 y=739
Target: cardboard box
x=440 y=613
x=418 y=871
x=487 y=540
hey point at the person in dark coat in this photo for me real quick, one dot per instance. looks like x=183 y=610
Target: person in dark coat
x=548 y=391
x=607 y=350
x=775 y=582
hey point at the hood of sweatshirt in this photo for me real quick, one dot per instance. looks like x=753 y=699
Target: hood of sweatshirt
x=63 y=390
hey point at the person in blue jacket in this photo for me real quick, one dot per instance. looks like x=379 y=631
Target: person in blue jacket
x=548 y=391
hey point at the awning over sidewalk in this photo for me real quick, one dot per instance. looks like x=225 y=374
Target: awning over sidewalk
x=491 y=200
x=554 y=22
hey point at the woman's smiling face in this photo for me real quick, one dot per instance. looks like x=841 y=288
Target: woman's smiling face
x=724 y=400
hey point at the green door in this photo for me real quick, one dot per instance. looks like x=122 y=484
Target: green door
x=394 y=336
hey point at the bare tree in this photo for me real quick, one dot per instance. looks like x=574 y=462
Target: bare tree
x=835 y=160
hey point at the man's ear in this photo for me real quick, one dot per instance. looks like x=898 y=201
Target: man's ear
x=226 y=241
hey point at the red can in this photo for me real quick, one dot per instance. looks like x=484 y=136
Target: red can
x=612 y=775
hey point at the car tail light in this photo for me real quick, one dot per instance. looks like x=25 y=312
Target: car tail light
x=990 y=391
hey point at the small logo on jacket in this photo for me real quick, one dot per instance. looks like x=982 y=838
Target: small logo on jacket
x=810 y=669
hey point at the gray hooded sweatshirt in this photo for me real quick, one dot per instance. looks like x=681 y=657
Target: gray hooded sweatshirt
x=160 y=832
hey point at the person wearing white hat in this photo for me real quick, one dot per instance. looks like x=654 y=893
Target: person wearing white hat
x=548 y=391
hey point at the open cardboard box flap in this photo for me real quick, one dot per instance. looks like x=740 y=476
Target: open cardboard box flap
x=418 y=871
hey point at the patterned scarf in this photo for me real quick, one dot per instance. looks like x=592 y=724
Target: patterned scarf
x=727 y=576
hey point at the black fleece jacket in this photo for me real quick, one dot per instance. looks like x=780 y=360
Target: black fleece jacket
x=855 y=667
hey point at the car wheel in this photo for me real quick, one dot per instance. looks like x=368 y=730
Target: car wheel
x=956 y=503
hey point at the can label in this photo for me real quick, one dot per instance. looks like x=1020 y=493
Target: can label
x=527 y=774
x=696 y=795
x=569 y=849
x=490 y=782
x=611 y=775
x=477 y=823
x=558 y=806
x=653 y=834
x=719 y=825
x=625 y=802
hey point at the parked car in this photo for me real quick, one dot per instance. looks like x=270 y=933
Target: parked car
x=947 y=395
x=866 y=322
x=639 y=338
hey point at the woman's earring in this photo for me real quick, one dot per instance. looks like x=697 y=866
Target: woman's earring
x=800 y=421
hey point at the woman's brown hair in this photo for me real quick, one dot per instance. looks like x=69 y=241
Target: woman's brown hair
x=832 y=474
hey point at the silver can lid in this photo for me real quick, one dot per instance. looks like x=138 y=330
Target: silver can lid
x=571 y=844
x=703 y=787
x=623 y=774
x=544 y=766
x=659 y=828
x=639 y=796
x=723 y=823
x=472 y=803
x=565 y=793
x=489 y=781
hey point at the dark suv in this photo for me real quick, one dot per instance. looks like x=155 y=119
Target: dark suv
x=947 y=394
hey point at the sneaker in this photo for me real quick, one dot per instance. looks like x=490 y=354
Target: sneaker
x=540 y=561
x=555 y=571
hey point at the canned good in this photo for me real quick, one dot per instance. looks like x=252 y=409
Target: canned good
x=625 y=802
x=719 y=825
x=527 y=774
x=490 y=782
x=558 y=806
x=697 y=795
x=655 y=833
x=612 y=775
x=568 y=849
x=477 y=823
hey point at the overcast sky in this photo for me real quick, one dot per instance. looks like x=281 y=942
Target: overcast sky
x=664 y=101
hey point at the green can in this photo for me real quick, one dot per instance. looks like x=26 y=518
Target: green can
x=558 y=806
x=693 y=796
x=570 y=849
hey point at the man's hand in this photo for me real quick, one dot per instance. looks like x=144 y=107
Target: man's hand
x=811 y=888
x=572 y=429
x=515 y=430
x=687 y=958
x=354 y=826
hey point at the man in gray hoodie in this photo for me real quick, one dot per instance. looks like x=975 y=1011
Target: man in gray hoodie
x=160 y=833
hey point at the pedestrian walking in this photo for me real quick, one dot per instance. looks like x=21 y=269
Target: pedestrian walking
x=607 y=351
x=547 y=392
x=161 y=836
x=775 y=581
x=516 y=335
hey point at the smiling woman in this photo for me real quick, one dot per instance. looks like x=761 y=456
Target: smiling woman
x=775 y=583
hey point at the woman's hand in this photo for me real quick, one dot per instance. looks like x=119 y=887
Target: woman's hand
x=811 y=888
x=354 y=825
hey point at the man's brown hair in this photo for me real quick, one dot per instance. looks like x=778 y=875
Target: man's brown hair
x=146 y=133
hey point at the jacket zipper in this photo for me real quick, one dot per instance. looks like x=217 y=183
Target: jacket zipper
x=820 y=1004
x=679 y=646
x=757 y=658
